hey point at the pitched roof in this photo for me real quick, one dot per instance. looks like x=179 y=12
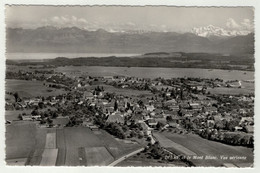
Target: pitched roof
x=137 y=117
x=116 y=118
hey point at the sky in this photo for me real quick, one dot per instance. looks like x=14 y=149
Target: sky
x=118 y=18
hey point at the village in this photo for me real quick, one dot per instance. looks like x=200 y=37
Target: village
x=178 y=105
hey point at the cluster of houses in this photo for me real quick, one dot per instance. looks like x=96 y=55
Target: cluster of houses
x=193 y=110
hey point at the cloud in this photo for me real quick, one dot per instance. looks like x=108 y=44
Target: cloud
x=65 y=21
x=248 y=24
x=245 y=25
x=70 y=21
x=232 y=24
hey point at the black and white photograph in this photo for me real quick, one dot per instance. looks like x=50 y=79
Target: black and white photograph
x=129 y=86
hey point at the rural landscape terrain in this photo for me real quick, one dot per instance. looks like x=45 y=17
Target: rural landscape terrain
x=154 y=98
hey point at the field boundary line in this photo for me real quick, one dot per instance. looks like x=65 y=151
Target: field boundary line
x=110 y=153
x=65 y=146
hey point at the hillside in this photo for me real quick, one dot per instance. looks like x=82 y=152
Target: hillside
x=70 y=40
x=156 y=59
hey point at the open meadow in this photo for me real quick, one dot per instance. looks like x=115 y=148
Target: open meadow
x=28 y=89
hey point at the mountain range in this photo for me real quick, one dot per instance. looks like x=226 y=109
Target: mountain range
x=210 y=30
x=70 y=40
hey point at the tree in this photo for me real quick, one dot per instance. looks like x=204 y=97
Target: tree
x=146 y=86
x=116 y=130
x=159 y=125
x=220 y=125
x=41 y=105
x=169 y=118
x=43 y=121
x=54 y=115
x=133 y=133
x=35 y=112
x=16 y=96
x=128 y=105
x=50 y=121
x=232 y=124
x=181 y=94
x=140 y=135
x=20 y=117
x=115 y=106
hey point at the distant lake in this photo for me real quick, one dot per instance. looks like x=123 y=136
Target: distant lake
x=150 y=72
x=40 y=56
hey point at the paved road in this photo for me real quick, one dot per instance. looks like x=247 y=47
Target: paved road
x=125 y=157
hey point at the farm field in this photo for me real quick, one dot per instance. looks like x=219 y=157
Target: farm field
x=30 y=88
x=16 y=162
x=25 y=140
x=151 y=72
x=81 y=146
x=127 y=92
x=122 y=91
x=117 y=148
x=20 y=140
x=28 y=68
x=50 y=140
x=98 y=156
x=49 y=157
x=61 y=145
x=134 y=161
x=13 y=115
x=167 y=143
x=233 y=91
x=204 y=147
x=29 y=145
x=40 y=137
x=72 y=157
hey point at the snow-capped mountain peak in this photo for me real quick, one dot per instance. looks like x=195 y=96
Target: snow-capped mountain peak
x=211 y=30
